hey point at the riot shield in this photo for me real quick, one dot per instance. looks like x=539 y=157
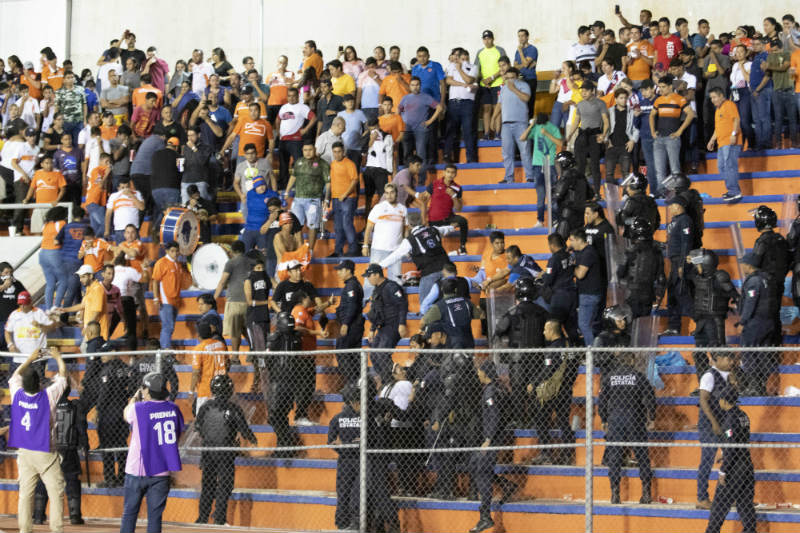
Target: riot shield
x=548 y=191
x=644 y=334
x=613 y=204
x=788 y=212
x=614 y=255
x=738 y=245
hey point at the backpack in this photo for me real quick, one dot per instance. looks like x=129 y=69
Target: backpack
x=548 y=389
x=66 y=428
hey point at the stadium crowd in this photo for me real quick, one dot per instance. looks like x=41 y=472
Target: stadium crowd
x=133 y=137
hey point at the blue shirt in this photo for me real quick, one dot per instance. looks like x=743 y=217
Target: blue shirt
x=71 y=237
x=414 y=109
x=257 y=212
x=513 y=108
x=698 y=41
x=69 y=164
x=756 y=74
x=91 y=100
x=430 y=75
x=530 y=52
x=353 y=127
x=222 y=117
x=642 y=122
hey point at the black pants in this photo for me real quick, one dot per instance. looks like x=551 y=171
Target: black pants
x=375 y=179
x=288 y=150
x=217 y=484
x=679 y=296
x=386 y=337
x=455 y=220
x=73 y=193
x=617 y=155
x=142 y=184
x=586 y=145
x=710 y=331
x=280 y=403
x=20 y=191
x=640 y=300
x=71 y=468
x=615 y=454
x=129 y=317
x=482 y=468
x=564 y=306
x=347 y=493
x=758 y=366
x=350 y=363
x=113 y=433
x=554 y=414
x=304 y=384
x=739 y=488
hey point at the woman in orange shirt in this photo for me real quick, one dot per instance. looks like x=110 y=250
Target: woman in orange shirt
x=56 y=277
x=305 y=364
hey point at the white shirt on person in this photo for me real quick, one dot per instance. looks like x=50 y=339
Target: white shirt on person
x=125 y=211
x=461 y=93
x=125 y=279
x=26 y=336
x=200 y=74
x=389 y=221
x=707 y=380
x=29 y=111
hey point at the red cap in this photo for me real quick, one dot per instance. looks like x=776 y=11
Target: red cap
x=24 y=298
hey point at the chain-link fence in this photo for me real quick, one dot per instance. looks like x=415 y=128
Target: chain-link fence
x=557 y=439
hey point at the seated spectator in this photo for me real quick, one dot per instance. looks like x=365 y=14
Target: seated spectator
x=445 y=199
x=344 y=195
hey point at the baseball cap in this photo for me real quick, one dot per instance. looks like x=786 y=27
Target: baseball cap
x=749 y=259
x=346 y=264
x=28 y=65
x=373 y=268
x=24 y=298
x=284 y=218
x=294 y=263
x=156 y=383
x=248 y=89
x=174 y=141
x=30 y=132
x=487 y=33
x=678 y=200
x=259 y=181
x=85 y=269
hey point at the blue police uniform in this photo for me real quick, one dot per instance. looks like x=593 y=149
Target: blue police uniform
x=388 y=309
x=526 y=267
x=457 y=313
x=483 y=462
x=680 y=237
x=559 y=291
x=349 y=313
x=755 y=314
x=346 y=426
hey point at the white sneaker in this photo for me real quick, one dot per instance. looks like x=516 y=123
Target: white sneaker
x=303 y=422
x=538 y=225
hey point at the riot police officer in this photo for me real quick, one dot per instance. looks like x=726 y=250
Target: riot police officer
x=680 y=185
x=756 y=312
x=713 y=291
x=637 y=204
x=771 y=253
x=558 y=287
x=387 y=313
x=523 y=325
x=219 y=421
x=350 y=316
x=627 y=408
x=570 y=194
x=598 y=229
x=493 y=433
x=617 y=321
x=70 y=434
x=145 y=364
x=736 y=475
x=642 y=271
x=345 y=428
x=117 y=384
x=449 y=270
x=793 y=240
x=456 y=314
x=521 y=266
x=680 y=236
x=282 y=375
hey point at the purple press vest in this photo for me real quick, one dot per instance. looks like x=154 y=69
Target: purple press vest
x=160 y=426
x=30 y=422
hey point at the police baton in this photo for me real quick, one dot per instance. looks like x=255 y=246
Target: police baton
x=86 y=460
x=435 y=442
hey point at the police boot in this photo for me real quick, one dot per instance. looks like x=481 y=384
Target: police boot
x=646 y=497
x=484 y=523
x=39 y=505
x=74 y=504
x=615 y=494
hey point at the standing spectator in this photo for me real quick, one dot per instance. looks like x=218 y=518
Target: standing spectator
x=386 y=225
x=728 y=137
x=431 y=75
x=761 y=89
x=546 y=137
x=26 y=329
x=115 y=98
x=253 y=131
x=247 y=172
x=70 y=240
x=197 y=170
x=525 y=58
x=666 y=44
x=415 y=108
x=512 y=109
x=740 y=93
x=156 y=68
x=584 y=49
x=716 y=67
x=257 y=214
x=93 y=250
x=445 y=200
x=380 y=165
x=328 y=106
x=612 y=51
x=290 y=125
x=591 y=282
x=311 y=175
x=783 y=100
x=28 y=108
x=610 y=78
x=487 y=60
x=622 y=136
x=461 y=76
x=305 y=371
x=667 y=128
x=49 y=187
x=138 y=95
x=324 y=143
x=639 y=62
x=165 y=182
x=69 y=161
x=71 y=102
x=167 y=125
x=126 y=279
x=145 y=116
x=344 y=195
x=354 y=131
x=391 y=122
x=97 y=194
x=279 y=82
x=341 y=84
x=236 y=271
x=395 y=85
x=369 y=86
x=201 y=71
x=10 y=288
x=642 y=123
x=141 y=168
x=166 y=286
x=124 y=207
x=592 y=117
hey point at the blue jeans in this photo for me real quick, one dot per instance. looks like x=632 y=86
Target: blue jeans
x=785 y=106
x=728 y=166
x=762 y=116
x=163 y=198
x=251 y=238
x=745 y=106
x=156 y=489
x=558 y=116
x=343 y=213
x=392 y=272
x=426 y=283
x=417 y=139
x=541 y=190
x=650 y=162
x=666 y=149
x=97 y=218
x=510 y=134
x=71 y=292
x=54 y=274
x=74 y=129
x=119 y=235
x=202 y=187
x=588 y=311
x=460 y=115
x=168 y=313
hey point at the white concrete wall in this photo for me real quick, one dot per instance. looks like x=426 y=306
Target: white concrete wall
x=179 y=26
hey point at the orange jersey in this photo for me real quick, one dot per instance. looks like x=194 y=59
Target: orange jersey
x=49 y=233
x=391 y=87
x=47 y=184
x=304 y=318
x=242 y=111
x=95 y=254
x=96 y=187
x=51 y=78
x=108 y=132
x=257 y=132
x=726 y=121
x=32 y=91
x=134 y=259
x=209 y=365
x=139 y=94
x=392 y=124
x=95 y=307
x=492 y=265
x=343 y=174
x=168 y=273
x=315 y=61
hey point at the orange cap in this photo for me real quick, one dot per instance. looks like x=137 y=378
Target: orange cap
x=285 y=218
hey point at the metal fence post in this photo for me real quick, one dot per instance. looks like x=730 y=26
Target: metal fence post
x=589 y=466
x=362 y=448
x=158 y=361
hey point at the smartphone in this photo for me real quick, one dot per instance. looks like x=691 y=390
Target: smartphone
x=341 y=48
x=616 y=9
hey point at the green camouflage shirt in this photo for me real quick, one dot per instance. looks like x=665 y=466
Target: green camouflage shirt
x=70 y=102
x=310 y=177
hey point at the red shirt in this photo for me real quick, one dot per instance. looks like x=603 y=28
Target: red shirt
x=666 y=48
x=441 y=205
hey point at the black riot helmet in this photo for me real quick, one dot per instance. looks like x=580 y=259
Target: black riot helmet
x=635 y=181
x=565 y=159
x=285 y=322
x=156 y=384
x=677 y=182
x=525 y=290
x=641 y=229
x=222 y=386
x=705 y=258
x=765 y=218
x=617 y=312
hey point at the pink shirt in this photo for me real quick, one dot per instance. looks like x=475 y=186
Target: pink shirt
x=134 y=465
x=158 y=72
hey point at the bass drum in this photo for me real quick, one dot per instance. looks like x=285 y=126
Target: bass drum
x=181 y=225
x=208 y=262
